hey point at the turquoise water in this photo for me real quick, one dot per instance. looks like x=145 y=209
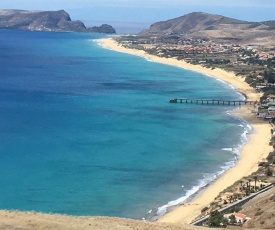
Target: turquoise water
x=89 y=131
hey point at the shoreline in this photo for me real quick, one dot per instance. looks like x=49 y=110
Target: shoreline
x=256 y=148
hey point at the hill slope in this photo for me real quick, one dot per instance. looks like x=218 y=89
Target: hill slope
x=194 y=22
x=15 y=220
x=262 y=211
x=199 y=24
x=45 y=21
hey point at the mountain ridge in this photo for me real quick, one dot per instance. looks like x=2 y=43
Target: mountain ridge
x=46 y=21
x=214 y=26
x=196 y=21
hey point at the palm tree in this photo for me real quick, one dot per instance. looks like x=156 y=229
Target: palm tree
x=241 y=182
x=255 y=179
x=247 y=184
x=249 y=180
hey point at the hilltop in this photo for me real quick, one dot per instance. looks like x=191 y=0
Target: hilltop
x=199 y=24
x=46 y=21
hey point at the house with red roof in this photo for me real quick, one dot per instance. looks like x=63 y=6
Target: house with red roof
x=240 y=218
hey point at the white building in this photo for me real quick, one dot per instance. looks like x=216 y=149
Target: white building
x=240 y=218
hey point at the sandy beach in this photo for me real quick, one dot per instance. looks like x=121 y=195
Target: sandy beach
x=254 y=150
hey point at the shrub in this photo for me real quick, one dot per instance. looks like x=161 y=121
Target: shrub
x=258 y=213
x=262 y=222
x=215 y=219
x=269 y=172
x=232 y=219
x=204 y=209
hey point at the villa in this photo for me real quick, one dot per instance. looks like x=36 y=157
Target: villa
x=240 y=218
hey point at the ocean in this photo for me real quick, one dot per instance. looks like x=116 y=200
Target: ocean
x=89 y=131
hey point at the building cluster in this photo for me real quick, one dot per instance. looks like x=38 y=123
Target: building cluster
x=256 y=63
x=175 y=45
x=266 y=109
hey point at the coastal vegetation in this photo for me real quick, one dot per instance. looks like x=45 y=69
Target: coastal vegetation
x=216 y=219
x=240 y=190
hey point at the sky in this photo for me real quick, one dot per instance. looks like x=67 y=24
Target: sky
x=138 y=14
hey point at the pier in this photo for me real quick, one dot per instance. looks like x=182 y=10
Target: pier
x=211 y=101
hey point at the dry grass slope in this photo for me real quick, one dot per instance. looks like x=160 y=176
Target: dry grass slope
x=15 y=220
x=262 y=211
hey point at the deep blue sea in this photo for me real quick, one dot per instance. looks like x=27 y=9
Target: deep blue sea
x=89 y=131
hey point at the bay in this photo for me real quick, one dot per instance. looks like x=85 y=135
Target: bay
x=89 y=131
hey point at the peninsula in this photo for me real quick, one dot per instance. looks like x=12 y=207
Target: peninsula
x=46 y=21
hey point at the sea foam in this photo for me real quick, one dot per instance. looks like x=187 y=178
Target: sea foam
x=207 y=178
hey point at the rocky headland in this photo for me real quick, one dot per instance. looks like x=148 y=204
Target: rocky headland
x=46 y=21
